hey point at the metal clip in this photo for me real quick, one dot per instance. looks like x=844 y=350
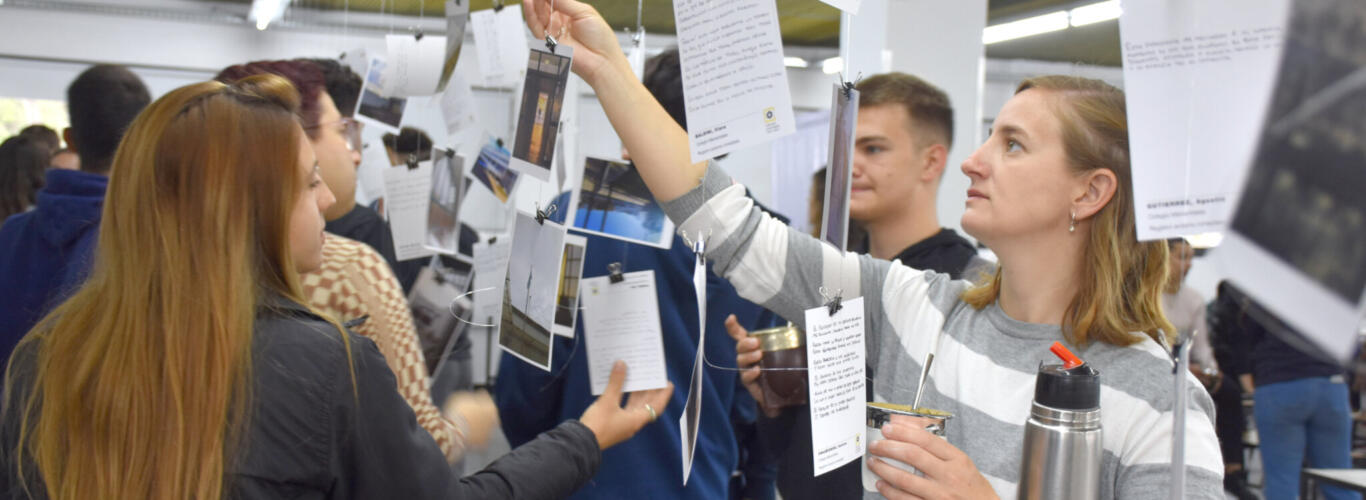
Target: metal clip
x=450 y=153
x=614 y=273
x=411 y=162
x=541 y=215
x=418 y=35
x=833 y=303
x=498 y=6
x=848 y=87
x=550 y=43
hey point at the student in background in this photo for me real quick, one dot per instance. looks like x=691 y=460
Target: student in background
x=22 y=162
x=1299 y=401
x=45 y=253
x=44 y=135
x=189 y=366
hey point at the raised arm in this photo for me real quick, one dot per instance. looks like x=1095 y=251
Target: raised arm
x=657 y=144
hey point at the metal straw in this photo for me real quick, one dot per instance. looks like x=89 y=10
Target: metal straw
x=920 y=389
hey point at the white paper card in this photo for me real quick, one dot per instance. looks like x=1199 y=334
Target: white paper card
x=490 y=274
x=500 y=40
x=834 y=348
x=457 y=18
x=414 y=64
x=839 y=175
x=407 y=198
x=621 y=322
x=458 y=108
x=533 y=278
x=692 y=408
x=848 y=6
x=1197 y=76
x=734 y=81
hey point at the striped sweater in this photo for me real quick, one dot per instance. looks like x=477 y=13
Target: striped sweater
x=355 y=281
x=985 y=363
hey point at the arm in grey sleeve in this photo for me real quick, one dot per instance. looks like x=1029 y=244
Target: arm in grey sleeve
x=768 y=262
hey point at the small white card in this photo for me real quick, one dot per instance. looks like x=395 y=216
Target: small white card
x=490 y=275
x=621 y=322
x=414 y=64
x=734 y=81
x=500 y=40
x=835 y=374
x=692 y=409
x=407 y=198
x=458 y=108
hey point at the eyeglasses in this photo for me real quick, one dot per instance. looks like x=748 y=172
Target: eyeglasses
x=350 y=130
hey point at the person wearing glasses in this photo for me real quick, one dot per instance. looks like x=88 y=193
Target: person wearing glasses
x=354 y=283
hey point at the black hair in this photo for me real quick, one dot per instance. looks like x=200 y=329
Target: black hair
x=343 y=85
x=664 y=79
x=43 y=134
x=409 y=141
x=23 y=159
x=102 y=102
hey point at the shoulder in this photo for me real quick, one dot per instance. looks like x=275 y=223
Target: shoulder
x=294 y=335
x=1189 y=296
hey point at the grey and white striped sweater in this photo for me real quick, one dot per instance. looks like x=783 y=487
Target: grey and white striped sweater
x=985 y=364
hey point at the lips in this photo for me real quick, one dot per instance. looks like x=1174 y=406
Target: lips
x=973 y=193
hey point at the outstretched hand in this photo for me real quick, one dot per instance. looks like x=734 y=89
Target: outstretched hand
x=596 y=49
x=611 y=423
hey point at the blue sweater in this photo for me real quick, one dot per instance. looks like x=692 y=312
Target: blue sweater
x=532 y=401
x=45 y=253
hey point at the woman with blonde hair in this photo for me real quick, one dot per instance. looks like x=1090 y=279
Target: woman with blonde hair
x=1051 y=195
x=187 y=365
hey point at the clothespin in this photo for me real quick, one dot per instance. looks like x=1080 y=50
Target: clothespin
x=833 y=303
x=541 y=215
x=614 y=273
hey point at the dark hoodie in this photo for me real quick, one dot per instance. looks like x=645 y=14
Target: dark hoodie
x=46 y=253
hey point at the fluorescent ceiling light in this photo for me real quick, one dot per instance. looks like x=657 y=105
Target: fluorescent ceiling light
x=1095 y=13
x=1054 y=21
x=264 y=12
x=791 y=62
x=832 y=65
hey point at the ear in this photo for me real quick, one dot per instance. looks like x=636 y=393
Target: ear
x=933 y=160
x=1096 y=190
x=67 y=137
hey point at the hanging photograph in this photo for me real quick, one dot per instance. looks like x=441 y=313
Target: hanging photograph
x=529 y=294
x=373 y=107
x=491 y=169
x=839 y=175
x=1301 y=221
x=567 y=298
x=613 y=201
x=457 y=16
x=538 y=122
x=448 y=191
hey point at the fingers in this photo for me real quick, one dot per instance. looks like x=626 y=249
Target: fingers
x=917 y=435
x=749 y=375
x=912 y=421
x=747 y=353
x=536 y=12
x=733 y=328
x=907 y=453
x=891 y=492
x=614 y=382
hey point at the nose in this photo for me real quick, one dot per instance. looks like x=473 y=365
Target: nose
x=355 y=157
x=325 y=198
x=973 y=166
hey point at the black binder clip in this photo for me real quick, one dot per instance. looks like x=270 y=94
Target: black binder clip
x=541 y=215
x=356 y=322
x=614 y=273
x=847 y=87
x=450 y=153
x=550 y=43
x=493 y=239
x=418 y=35
x=833 y=303
x=498 y=6
x=499 y=142
x=412 y=162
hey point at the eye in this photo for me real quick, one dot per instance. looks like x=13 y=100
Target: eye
x=872 y=150
x=1012 y=146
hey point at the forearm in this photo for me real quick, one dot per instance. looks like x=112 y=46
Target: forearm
x=658 y=146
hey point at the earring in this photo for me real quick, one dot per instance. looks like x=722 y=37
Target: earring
x=1072 y=226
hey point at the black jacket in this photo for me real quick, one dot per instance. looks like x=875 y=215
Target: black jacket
x=311 y=436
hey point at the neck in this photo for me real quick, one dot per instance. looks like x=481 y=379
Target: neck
x=1040 y=276
x=889 y=236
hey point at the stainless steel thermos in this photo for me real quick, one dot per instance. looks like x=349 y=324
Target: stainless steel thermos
x=1062 y=438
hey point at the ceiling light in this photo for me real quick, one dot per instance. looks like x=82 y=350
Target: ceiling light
x=1095 y=13
x=1054 y=21
x=832 y=65
x=795 y=62
x=264 y=12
